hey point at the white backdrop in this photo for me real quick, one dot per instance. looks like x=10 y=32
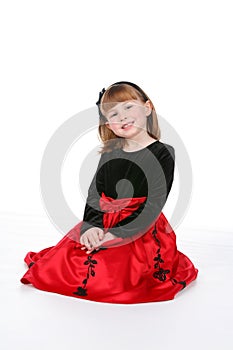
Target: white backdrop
x=57 y=55
x=55 y=58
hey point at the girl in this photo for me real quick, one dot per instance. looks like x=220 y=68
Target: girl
x=124 y=250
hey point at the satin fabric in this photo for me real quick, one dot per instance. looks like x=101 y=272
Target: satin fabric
x=124 y=270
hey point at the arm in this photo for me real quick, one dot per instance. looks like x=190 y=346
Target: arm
x=93 y=216
x=161 y=183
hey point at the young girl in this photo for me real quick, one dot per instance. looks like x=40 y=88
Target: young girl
x=124 y=250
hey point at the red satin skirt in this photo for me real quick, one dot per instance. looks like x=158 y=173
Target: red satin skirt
x=141 y=269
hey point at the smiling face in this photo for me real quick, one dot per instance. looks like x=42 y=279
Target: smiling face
x=127 y=119
x=126 y=116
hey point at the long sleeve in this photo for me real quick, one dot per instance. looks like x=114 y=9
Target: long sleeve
x=93 y=216
x=159 y=190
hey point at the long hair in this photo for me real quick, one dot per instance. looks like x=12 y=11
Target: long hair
x=119 y=93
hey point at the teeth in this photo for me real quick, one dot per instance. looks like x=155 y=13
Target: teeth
x=127 y=125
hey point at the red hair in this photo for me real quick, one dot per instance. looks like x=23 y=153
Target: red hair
x=119 y=93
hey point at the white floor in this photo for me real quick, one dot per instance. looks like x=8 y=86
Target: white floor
x=200 y=317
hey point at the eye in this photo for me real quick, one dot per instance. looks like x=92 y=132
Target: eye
x=129 y=106
x=113 y=115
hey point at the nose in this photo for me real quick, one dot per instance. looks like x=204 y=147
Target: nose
x=122 y=116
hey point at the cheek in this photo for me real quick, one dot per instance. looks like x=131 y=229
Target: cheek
x=113 y=127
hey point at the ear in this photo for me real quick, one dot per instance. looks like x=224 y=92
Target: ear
x=108 y=126
x=148 y=107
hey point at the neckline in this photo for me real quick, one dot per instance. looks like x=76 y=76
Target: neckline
x=141 y=149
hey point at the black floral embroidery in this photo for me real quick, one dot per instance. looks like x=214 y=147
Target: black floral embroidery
x=82 y=291
x=160 y=273
x=174 y=281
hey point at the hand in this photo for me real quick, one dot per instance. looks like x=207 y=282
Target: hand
x=107 y=237
x=92 y=237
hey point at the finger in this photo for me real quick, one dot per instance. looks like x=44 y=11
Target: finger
x=87 y=243
x=94 y=240
x=101 y=234
x=90 y=250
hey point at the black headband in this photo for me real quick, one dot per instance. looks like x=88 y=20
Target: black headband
x=119 y=82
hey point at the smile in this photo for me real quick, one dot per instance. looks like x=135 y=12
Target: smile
x=127 y=125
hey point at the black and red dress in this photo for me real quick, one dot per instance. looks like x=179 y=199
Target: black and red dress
x=142 y=264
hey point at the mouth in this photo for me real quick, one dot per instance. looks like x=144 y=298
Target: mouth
x=127 y=125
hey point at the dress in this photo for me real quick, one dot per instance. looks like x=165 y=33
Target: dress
x=142 y=264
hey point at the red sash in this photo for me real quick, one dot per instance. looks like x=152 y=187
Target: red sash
x=116 y=210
